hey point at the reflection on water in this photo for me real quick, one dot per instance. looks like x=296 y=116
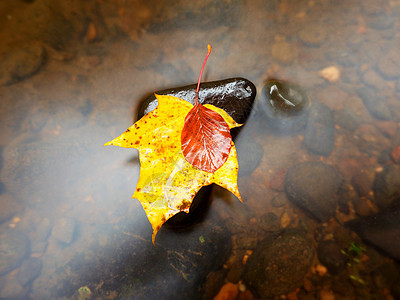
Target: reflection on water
x=321 y=196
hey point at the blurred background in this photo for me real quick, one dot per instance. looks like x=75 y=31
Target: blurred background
x=320 y=218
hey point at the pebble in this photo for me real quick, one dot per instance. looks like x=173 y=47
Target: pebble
x=386 y=186
x=343 y=57
x=389 y=65
x=325 y=294
x=362 y=182
x=12 y=289
x=313 y=187
x=332 y=73
x=39 y=247
x=361 y=207
x=14 y=247
x=277 y=182
x=25 y=158
x=396 y=154
x=285 y=220
x=373 y=79
x=279 y=263
x=380 y=20
x=9 y=207
x=319 y=133
x=375 y=104
x=347 y=119
x=21 y=63
x=387 y=128
x=330 y=256
x=235 y=272
x=215 y=280
x=30 y=269
x=229 y=291
x=210 y=247
x=380 y=230
x=278 y=200
x=63 y=230
x=312 y=35
x=43 y=229
x=283 y=52
x=268 y=222
x=321 y=270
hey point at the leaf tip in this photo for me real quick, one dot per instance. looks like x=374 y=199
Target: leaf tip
x=108 y=143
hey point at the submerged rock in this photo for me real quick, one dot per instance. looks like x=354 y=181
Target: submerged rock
x=347 y=119
x=210 y=246
x=20 y=63
x=285 y=105
x=63 y=230
x=386 y=186
x=319 y=136
x=389 y=65
x=30 y=269
x=250 y=154
x=9 y=207
x=312 y=35
x=382 y=230
x=14 y=247
x=313 y=187
x=374 y=103
x=12 y=289
x=330 y=256
x=279 y=264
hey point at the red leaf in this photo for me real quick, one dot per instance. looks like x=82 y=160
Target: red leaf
x=205 y=138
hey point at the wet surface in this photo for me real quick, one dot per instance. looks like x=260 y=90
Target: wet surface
x=72 y=77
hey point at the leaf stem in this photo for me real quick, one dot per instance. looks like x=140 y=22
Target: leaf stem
x=201 y=73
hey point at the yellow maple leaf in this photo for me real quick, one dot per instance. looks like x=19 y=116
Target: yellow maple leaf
x=167 y=182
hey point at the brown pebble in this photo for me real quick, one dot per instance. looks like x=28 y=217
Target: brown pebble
x=285 y=220
x=321 y=270
x=229 y=291
x=332 y=73
x=308 y=285
x=91 y=33
x=246 y=295
x=396 y=154
x=361 y=207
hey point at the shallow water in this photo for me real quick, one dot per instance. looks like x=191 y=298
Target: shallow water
x=72 y=76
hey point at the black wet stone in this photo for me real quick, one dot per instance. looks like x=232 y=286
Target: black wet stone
x=30 y=269
x=285 y=105
x=319 y=136
x=386 y=186
x=381 y=230
x=279 y=264
x=330 y=256
x=374 y=103
x=234 y=95
x=14 y=247
x=313 y=187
